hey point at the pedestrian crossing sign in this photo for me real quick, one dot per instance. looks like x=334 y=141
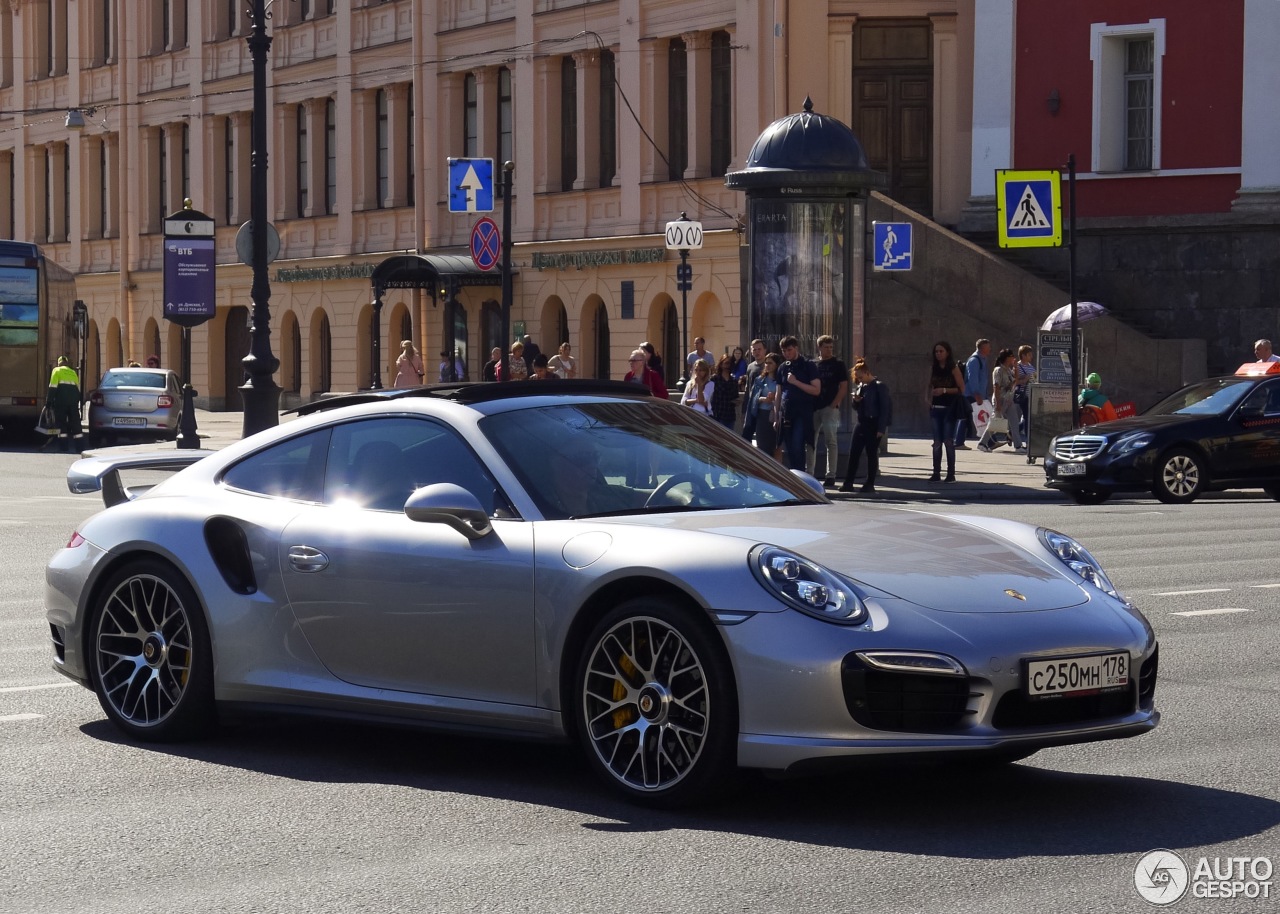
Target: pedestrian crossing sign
x=1029 y=208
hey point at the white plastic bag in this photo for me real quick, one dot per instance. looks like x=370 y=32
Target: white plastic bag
x=981 y=416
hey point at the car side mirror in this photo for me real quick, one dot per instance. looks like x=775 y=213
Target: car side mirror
x=449 y=504
x=1250 y=412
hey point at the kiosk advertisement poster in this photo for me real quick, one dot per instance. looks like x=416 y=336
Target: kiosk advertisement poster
x=798 y=277
x=1053 y=365
x=189 y=280
x=1050 y=417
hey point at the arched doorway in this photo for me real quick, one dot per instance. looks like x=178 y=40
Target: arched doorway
x=321 y=355
x=291 y=358
x=151 y=335
x=236 y=343
x=597 y=326
x=555 y=326
x=461 y=343
x=664 y=332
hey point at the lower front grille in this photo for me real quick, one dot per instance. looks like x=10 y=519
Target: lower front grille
x=1147 y=680
x=905 y=702
x=59 y=644
x=1016 y=711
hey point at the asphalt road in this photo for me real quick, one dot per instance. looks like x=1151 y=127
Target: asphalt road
x=309 y=816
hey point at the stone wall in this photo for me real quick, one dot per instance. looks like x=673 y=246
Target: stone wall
x=959 y=292
x=1218 y=282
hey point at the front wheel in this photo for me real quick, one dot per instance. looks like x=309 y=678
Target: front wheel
x=150 y=657
x=1181 y=477
x=656 y=705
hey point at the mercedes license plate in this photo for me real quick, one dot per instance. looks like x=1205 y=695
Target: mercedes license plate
x=1071 y=469
x=124 y=421
x=1077 y=675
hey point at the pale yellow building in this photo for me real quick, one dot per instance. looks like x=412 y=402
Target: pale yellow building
x=619 y=116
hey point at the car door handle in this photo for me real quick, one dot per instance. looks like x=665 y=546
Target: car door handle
x=308 y=560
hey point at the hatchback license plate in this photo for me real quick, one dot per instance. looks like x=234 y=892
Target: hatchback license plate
x=1071 y=469
x=1076 y=675
x=129 y=423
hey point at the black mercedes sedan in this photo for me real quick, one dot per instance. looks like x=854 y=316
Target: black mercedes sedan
x=1219 y=433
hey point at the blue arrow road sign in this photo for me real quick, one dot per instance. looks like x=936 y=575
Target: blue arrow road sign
x=893 y=246
x=471 y=185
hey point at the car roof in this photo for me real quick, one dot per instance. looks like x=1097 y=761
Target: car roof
x=476 y=392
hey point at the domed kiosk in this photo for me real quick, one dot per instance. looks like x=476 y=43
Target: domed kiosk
x=806 y=181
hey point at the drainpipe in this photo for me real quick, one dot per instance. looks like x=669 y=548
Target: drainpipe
x=782 y=38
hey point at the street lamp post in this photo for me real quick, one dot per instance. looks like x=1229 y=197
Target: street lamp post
x=684 y=235
x=260 y=393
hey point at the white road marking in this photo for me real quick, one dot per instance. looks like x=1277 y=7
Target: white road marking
x=1212 y=612
x=1184 y=593
x=37 y=688
x=1263 y=586
x=14 y=718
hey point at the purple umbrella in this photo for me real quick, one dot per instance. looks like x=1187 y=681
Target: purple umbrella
x=1061 y=318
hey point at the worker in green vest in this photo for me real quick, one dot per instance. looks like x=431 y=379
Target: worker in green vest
x=64 y=400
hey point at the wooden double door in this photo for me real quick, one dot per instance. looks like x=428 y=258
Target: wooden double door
x=893 y=105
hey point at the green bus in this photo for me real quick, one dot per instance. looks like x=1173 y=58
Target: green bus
x=36 y=301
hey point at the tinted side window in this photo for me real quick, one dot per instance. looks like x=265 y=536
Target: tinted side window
x=290 y=469
x=377 y=463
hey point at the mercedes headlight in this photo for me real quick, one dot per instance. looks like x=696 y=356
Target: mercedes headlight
x=1078 y=559
x=1134 y=441
x=807 y=586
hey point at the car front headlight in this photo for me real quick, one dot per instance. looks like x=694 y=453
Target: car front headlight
x=807 y=586
x=1077 y=558
x=1134 y=441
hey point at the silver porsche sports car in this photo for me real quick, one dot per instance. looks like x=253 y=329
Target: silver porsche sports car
x=581 y=561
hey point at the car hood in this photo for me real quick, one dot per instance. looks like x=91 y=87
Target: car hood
x=1118 y=427
x=931 y=560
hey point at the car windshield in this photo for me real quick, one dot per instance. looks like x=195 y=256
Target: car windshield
x=628 y=457
x=133 y=379
x=1207 y=398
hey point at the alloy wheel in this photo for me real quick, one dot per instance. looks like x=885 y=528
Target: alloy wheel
x=144 y=650
x=647 y=704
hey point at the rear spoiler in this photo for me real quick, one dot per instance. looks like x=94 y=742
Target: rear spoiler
x=102 y=474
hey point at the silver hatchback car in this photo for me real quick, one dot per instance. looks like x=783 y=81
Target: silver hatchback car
x=582 y=561
x=136 y=402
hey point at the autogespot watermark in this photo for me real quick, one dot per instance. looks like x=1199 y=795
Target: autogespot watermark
x=1163 y=877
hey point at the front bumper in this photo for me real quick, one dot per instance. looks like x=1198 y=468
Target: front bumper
x=805 y=699
x=1131 y=472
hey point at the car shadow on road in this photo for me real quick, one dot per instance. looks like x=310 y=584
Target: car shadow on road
x=946 y=810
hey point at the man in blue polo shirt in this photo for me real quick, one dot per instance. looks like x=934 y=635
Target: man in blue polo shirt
x=976 y=379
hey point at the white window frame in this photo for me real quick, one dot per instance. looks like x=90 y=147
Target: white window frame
x=1107 y=51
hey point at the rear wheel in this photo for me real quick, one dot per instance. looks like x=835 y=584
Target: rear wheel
x=656 y=705
x=150 y=657
x=1181 y=477
x=1090 y=496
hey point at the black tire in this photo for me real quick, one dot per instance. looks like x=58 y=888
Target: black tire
x=655 y=704
x=1090 y=496
x=1181 y=477
x=1273 y=491
x=149 y=654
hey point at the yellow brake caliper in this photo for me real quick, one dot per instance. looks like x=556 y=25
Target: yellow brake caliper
x=622 y=716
